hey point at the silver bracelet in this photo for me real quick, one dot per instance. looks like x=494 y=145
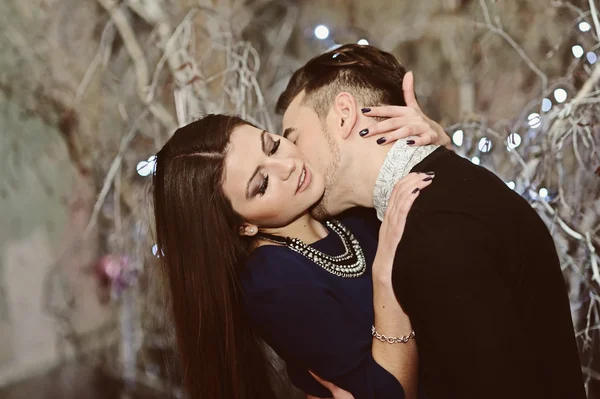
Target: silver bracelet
x=392 y=340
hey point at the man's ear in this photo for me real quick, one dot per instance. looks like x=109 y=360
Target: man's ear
x=249 y=230
x=346 y=113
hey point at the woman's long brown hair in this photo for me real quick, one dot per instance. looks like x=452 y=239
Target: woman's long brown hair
x=201 y=253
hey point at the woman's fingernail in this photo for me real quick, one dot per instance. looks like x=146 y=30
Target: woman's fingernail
x=416 y=190
x=430 y=173
x=381 y=140
x=410 y=142
x=364 y=110
x=430 y=178
x=363 y=132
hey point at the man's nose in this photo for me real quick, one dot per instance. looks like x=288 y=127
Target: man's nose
x=284 y=167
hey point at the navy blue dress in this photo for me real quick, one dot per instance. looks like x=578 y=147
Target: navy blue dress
x=316 y=320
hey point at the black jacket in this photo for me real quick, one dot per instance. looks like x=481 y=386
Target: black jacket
x=478 y=274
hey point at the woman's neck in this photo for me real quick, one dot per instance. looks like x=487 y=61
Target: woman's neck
x=305 y=228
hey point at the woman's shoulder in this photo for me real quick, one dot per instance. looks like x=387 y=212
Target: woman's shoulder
x=271 y=267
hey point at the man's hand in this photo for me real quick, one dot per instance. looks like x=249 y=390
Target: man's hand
x=337 y=392
x=407 y=121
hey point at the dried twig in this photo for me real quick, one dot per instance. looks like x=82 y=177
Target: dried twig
x=497 y=29
x=139 y=60
x=112 y=171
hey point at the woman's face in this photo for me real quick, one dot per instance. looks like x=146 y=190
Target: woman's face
x=268 y=179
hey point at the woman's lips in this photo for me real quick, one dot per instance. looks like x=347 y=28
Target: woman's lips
x=307 y=180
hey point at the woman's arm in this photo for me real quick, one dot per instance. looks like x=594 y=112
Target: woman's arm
x=303 y=320
x=400 y=359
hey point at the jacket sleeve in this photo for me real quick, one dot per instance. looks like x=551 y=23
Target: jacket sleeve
x=303 y=321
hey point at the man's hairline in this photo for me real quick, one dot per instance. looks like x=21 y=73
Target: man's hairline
x=305 y=102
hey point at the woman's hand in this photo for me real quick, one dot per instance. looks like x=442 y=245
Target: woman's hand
x=337 y=392
x=407 y=121
x=401 y=200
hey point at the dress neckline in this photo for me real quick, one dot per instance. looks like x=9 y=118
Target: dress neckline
x=321 y=244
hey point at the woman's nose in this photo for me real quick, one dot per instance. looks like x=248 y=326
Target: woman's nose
x=284 y=167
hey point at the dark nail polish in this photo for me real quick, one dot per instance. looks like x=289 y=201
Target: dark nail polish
x=363 y=132
x=430 y=173
x=430 y=178
x=381 y=140
x=410 y=142
x=416 y=190
x=366 y=110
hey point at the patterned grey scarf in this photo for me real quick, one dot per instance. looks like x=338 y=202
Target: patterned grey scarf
x=398 y=163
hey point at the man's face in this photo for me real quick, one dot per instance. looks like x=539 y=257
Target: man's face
x=302 y=126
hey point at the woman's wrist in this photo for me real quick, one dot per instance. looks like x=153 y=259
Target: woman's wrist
x=382 y=267
x=382 y=282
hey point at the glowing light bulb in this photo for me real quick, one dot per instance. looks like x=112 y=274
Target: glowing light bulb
x=322 y=32
x=511 y=185
x=146 y=168
x=513 y=141
x=560 y=95
x=458 y=137
x=584 y=26
x=476 y=160
x=363 y=42
x=546 y=104
x=543 y=192
x=485 y=145
x=577 y=51
x=592 y=58
x=534 y=120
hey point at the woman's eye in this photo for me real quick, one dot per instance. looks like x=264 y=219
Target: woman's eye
x=275 y=147
x=263 y=187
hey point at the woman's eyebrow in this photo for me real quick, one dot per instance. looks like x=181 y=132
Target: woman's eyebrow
x=263 y=146
x=263 y=134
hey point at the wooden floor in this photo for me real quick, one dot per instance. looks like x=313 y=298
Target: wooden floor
x=75 y=382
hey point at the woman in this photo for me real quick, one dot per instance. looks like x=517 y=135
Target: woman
x=226 y=196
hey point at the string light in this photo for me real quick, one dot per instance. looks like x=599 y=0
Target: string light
x=146 y=168
x=476 y=160
x=485 y=145
x=577 y=51
x=584 y=26
x=458 y=137
x=155 y=250
x=560 y=95
x=543 y=192
x=546 y=105
x=592 y=58
x=534 y=120
x=513 y=141
x=322 y=32
x=363 y=42
x=511 y=185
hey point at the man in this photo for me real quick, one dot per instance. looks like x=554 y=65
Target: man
x=485 y=294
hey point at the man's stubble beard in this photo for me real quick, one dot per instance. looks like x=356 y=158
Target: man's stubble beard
x=320 y=210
